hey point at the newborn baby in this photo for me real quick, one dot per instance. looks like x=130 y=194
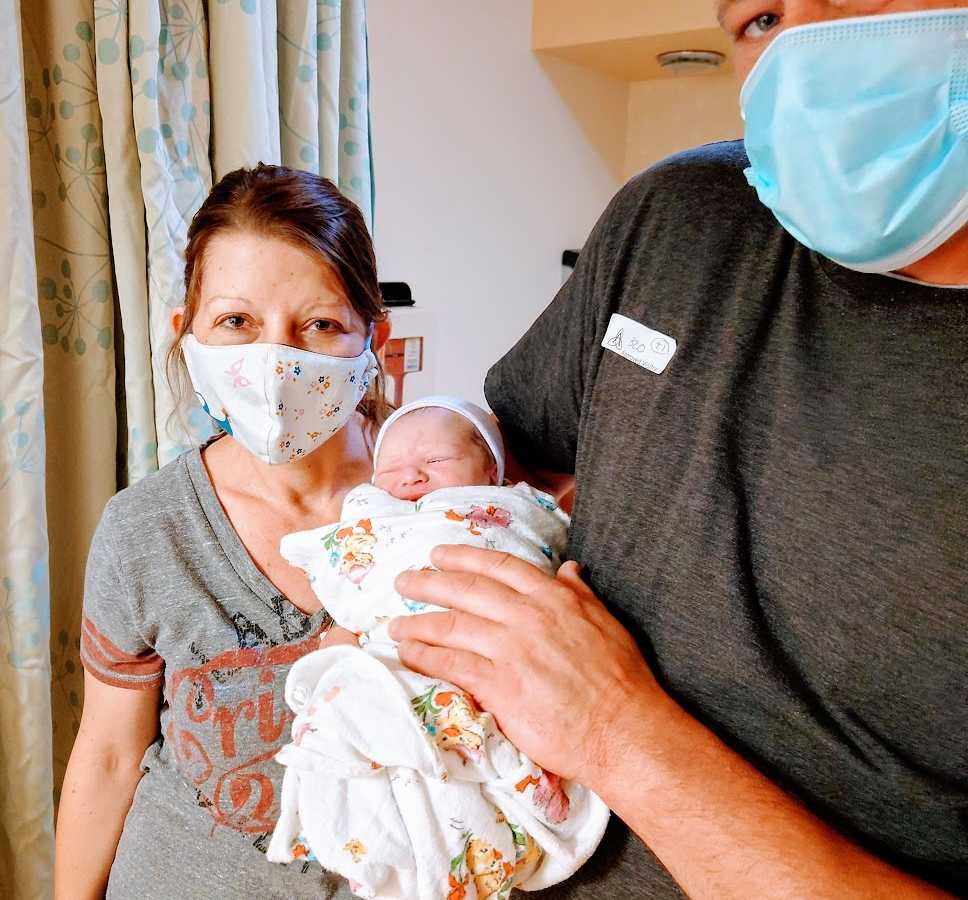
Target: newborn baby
x=423 y=448
x=398 y=781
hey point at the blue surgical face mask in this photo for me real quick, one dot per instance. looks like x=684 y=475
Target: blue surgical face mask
x=857 y=135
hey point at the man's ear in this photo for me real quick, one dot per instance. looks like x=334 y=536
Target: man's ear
x=381 y=334
x=177 y=317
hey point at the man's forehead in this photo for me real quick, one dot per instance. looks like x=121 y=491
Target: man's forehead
x=722 y=8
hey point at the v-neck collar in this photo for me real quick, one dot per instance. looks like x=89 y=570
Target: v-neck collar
x=235 y=551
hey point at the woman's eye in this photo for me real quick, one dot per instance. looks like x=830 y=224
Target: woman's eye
x=758 y=27
x=233 y=321
x=322 y=325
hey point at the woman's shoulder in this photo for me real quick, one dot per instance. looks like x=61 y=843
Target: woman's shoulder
x=161 y=494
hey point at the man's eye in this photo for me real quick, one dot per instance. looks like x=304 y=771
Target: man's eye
x=758 y=27
x=321 y=325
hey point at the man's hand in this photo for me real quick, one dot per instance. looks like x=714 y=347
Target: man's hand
x=568 y=686
x=540 y=653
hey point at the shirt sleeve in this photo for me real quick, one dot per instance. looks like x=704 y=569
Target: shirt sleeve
x=113 y=649
x=536 y=389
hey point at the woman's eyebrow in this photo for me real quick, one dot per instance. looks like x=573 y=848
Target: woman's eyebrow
x=328 y=302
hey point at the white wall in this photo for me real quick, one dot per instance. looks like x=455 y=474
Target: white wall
x=672 y=114
x=489 y=162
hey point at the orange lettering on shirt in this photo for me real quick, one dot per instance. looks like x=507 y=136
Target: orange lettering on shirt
x=225 y=719
x=269 y=730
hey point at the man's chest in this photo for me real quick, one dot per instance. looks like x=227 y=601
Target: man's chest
x=786 y=533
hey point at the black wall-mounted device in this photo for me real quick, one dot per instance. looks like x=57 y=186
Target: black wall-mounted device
x=396 y=293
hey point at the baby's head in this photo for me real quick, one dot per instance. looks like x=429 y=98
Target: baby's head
x=436 y=443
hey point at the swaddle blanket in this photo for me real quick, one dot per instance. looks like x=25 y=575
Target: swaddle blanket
x=352 y=565
x=397 y=781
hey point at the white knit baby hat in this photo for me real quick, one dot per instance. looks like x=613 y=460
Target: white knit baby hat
x=479 y=418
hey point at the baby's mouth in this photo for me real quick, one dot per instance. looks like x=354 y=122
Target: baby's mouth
x=413 y=492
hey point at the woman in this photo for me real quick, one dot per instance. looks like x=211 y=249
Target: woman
x=191 y=618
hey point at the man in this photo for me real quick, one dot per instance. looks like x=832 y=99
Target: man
x=769 y=449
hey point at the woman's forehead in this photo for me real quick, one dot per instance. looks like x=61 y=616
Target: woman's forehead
x=247 y=251
x=256 y=269
x=245 y=258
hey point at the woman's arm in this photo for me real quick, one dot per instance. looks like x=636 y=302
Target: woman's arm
x=569 y=687
x=117 y=726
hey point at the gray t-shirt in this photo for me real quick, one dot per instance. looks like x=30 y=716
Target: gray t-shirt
x=174 y=600
x=781 y=517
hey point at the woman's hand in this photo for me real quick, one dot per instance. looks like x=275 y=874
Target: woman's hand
x=336 y=635
x=564 y=680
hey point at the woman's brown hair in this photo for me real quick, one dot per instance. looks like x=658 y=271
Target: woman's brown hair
x=305 y=210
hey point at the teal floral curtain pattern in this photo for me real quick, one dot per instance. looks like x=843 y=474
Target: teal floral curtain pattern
x=25 y=718
x=117 y=118
x=171 y=133
x=324 y=94
x=74 y=284
x=242 y=51
x=120 y=77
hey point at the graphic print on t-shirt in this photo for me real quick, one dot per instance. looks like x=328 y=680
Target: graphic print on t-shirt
x=229 y=719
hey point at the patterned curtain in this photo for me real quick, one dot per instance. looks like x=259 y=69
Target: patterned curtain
x=117 y=117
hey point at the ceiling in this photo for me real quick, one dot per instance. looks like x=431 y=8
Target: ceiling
x=623 y=37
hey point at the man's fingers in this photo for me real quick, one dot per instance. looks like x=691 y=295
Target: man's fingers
x=502 y=567
x=570 y=574
x=592 y=608
x=452 y=629
x=468 y=671
x=466 y=591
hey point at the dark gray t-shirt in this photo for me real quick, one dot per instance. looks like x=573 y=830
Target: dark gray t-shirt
x=781 y=517
x=174 y=600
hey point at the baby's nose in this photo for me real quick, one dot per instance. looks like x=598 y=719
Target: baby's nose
x=413 y=476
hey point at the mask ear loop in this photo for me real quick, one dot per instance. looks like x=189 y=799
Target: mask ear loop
x=368 y=347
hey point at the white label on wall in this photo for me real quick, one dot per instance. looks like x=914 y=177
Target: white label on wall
x=640 y=344
x=412 y=351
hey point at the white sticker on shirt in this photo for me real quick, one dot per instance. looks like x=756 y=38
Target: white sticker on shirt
x=644 y=346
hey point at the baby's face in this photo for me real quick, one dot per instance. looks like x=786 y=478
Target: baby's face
x=430 y=449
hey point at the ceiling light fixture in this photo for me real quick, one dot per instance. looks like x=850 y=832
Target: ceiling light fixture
x=690 y=62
